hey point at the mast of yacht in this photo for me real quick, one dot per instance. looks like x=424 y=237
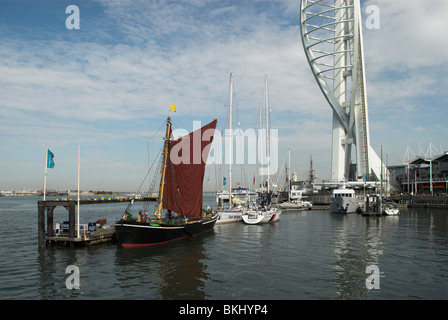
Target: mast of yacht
x=77 y=208
x=260 y=142
x=380 y=209
x=231 y=139
x=268 y=151
x=165 y=157
x=289 y=178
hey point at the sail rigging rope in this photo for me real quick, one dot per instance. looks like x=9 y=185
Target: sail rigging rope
x=149 y=170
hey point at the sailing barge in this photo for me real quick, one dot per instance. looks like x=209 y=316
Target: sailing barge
x=180 y=193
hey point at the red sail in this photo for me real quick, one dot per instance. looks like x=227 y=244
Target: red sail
x=185 y=171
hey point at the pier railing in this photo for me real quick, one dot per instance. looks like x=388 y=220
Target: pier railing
x=422 y=201
x=45 y=220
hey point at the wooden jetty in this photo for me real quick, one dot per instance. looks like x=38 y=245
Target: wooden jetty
x=372 y=213
x=46 y=232
x=372 y=206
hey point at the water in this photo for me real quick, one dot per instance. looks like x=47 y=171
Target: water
x=306 y=255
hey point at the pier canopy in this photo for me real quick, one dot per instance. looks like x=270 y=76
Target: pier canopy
x=441 y=158
x=421 y=160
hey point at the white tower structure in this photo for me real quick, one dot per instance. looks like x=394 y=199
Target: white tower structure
x=331 y=33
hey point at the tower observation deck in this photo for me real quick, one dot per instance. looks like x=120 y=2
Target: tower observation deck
x=331 y=32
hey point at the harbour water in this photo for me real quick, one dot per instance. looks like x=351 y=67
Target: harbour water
x=306 y=255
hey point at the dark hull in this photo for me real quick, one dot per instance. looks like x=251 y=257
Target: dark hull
x=137 y=234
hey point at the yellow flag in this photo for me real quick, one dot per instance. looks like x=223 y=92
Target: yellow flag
x=173 y=107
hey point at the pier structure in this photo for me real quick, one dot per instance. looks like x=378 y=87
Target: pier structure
x=45 y=222
x=331 y=32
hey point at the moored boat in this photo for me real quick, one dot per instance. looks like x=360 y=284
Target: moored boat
x=232 y=210
x=343 y=200
x=230 y=203
x=137 y=234
x=263 y=211
x=261 y=215
x=296 y=202
x=293 y=205
x=390 y=209
x=295 y=197
x=179 y=212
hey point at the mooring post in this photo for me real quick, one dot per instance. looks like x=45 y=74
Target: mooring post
x=50 y=221
x=71 y=219
x=41 y=224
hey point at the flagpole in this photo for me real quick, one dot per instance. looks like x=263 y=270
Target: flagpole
x=45 y=176
x=78 y=191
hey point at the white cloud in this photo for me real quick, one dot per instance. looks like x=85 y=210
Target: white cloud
x=406 y=63
x=112 y=82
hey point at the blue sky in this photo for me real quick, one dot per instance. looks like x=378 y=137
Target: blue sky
x=107 y=86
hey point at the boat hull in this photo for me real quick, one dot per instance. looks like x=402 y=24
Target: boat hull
x=344 y=205
x=293 y=206
x=261 y=217
x=391 y=211
x=229 y=216
x=138 y=234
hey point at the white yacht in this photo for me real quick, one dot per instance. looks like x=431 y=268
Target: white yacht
x=296 y=202
x=230 y=203
x=261 y=215
x=264 y=211
x=390 y=209
x=232 y=210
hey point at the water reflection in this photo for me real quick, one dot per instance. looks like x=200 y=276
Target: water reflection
x=311 y=255
x=52 y=263
x=358 y=244
x=46 y=271
x=171 y=271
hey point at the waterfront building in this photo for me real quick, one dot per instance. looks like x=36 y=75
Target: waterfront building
x=423 y=175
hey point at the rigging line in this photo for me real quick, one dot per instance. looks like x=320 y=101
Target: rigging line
x=284 y=165
x=152 y=188
x=163 y=124
x=155 y=159
x=235 y=106
x=147 y=173
x=175 y=126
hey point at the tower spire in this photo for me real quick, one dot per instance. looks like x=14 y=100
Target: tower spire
x=331 y=32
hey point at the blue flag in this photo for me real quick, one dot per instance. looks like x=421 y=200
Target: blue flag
x=50 y=162
x=223 y=181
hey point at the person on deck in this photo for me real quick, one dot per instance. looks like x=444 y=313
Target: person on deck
x=139 y=217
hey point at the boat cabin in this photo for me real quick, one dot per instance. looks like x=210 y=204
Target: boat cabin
x=349 y=193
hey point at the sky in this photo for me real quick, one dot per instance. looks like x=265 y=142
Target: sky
x=108 y=85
